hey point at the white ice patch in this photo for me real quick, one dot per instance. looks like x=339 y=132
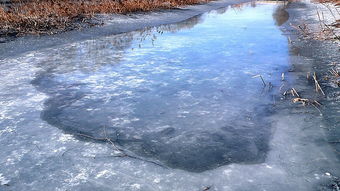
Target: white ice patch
x=105 y=174
x=6 y=130
x=227 y=172
x=67 y=138
x=157 y=180
x=80 y=177
x=3 y=180
x=16 y=156
x=4 y=113
x=184 y=93
x=120 y=121
x=60 y=149
x=267 y=166
x=135 y=186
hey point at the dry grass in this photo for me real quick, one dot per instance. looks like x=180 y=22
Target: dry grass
x=336 y=2
x=50 y=16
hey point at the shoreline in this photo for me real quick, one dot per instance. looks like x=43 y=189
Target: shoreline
x=308 y=55
x=113 y=24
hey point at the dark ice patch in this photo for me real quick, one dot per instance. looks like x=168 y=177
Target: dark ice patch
x=240 y=141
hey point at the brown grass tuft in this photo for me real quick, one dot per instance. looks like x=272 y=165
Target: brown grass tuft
x=50 y=16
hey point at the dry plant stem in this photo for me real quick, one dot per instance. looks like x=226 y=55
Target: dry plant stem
x=317 y=103
x=334 y=72
x=305 y=102
x=303 y=29
x=289 y=40
x=90 y=137
x=302 y=100
x=330 y=10
x=109 y=140
x=317 y=11
x=322 y=23
x=317 y=85
x=281 y=87
x=294 y=90
x=260 y=76
x=316 y=108
x=124 y=154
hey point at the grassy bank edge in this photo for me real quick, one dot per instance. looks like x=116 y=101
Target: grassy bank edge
x=53 y=16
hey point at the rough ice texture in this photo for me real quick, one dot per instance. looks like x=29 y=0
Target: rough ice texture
x=191 y=105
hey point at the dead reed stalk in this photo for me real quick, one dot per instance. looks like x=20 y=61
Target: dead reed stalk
x=260 y=76
x=317 y=85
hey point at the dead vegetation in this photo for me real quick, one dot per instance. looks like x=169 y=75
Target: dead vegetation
x=328 y=29
x=336 y=2
x=296 y=98
x=51 y=16
x=260 y=76
x=317 y=85
x=118 y=151
x=328 y=22
x=333 y=77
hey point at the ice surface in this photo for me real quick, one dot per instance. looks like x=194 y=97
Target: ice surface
x=179 y=95
x=185 y=98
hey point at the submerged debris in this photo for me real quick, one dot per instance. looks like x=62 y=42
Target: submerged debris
x=305 y=101
x=291 y=91
x=206 y=188
x=260 y=76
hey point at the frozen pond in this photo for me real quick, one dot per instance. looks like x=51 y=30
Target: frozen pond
x=180 y=100
x=184 y=95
